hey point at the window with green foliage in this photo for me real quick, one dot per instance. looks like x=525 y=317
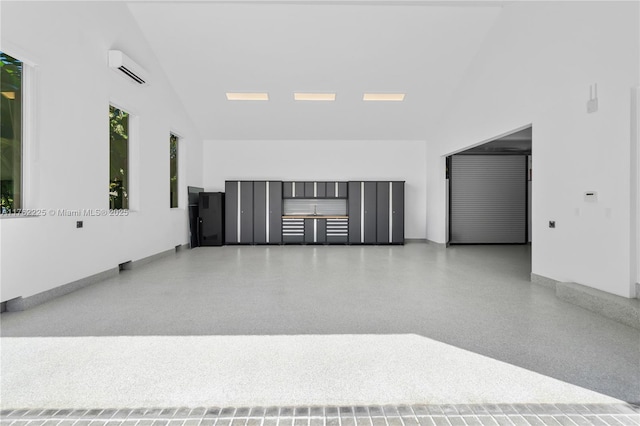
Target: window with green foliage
x=173 y=170
x=11 y=71
x=118 y=158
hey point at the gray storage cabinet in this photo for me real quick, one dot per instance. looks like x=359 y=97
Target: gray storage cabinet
x=231 y=212
x=370 y=213
x=390 y=213
x=294 y=189
x=315 y=231
x=309 y=231
x=253 y=213
x=383 y=214
x=376 y=212
x=287 y=189
x=293 y=230
x=309 y=190
x=337 y=230
x=354 y=205
x=246 y=212
x=275 y=212
x=260 y=212
x=267 y=212
x=321 y=231
x=397 y=213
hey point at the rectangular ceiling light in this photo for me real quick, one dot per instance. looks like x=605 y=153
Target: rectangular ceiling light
x=314 y=96
x=233 y=96
x=397 y=97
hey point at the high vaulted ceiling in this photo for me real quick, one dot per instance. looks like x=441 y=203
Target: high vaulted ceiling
x=419 y=48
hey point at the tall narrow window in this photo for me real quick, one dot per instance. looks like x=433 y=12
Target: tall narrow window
x=11 y=133
x=118 y=158
x=173 y=170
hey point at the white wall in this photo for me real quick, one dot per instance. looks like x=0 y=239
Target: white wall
x=68 y=162
x=535 y=66
x=324 y=161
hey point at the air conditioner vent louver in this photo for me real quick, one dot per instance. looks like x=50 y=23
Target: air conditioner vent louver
x=128 y=68
x=132 y=75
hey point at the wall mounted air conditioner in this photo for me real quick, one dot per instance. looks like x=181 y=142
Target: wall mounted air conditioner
x=127 y=67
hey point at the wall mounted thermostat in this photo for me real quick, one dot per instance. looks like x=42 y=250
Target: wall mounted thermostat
x=591 y=197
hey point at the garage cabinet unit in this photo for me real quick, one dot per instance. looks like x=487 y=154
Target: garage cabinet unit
x=376 y=212
x=301 y=189
x=253 y=211
x=303 y=212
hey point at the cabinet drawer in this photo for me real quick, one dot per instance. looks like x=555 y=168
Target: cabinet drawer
x=292 y=230
x=338 y=231
x=337 y=227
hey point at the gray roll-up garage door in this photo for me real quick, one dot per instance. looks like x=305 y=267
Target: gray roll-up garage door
x=488 y=199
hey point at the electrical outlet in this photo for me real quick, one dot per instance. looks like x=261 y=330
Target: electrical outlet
x=552 y=224
x=591 y=197
x=79 y=224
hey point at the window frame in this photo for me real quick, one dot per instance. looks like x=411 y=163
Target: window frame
x=29 y=125
x=15 y=142
x=128 y=160
x=178 y=169
x=134 y=154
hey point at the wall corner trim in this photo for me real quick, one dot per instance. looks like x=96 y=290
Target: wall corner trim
x=416 y=241
x=141 y=262
x=436 y=244
x=22 y=303
x=617 y=308
x=543 y=281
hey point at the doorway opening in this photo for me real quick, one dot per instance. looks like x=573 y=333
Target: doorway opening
x=488 y=196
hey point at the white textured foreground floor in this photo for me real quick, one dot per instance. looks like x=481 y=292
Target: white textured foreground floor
x=166 y=371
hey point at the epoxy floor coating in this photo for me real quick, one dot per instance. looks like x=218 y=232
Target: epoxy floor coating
x=477 y=298
x=240 y=371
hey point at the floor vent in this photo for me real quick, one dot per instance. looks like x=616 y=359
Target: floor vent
x=125 y=266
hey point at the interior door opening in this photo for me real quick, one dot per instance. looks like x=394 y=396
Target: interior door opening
x=488 y=191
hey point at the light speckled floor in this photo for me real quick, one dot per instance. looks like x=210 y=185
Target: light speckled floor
x=477 y=298
x=196 y=371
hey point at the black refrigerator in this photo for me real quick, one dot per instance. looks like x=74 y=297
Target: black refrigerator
x=211 y=218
